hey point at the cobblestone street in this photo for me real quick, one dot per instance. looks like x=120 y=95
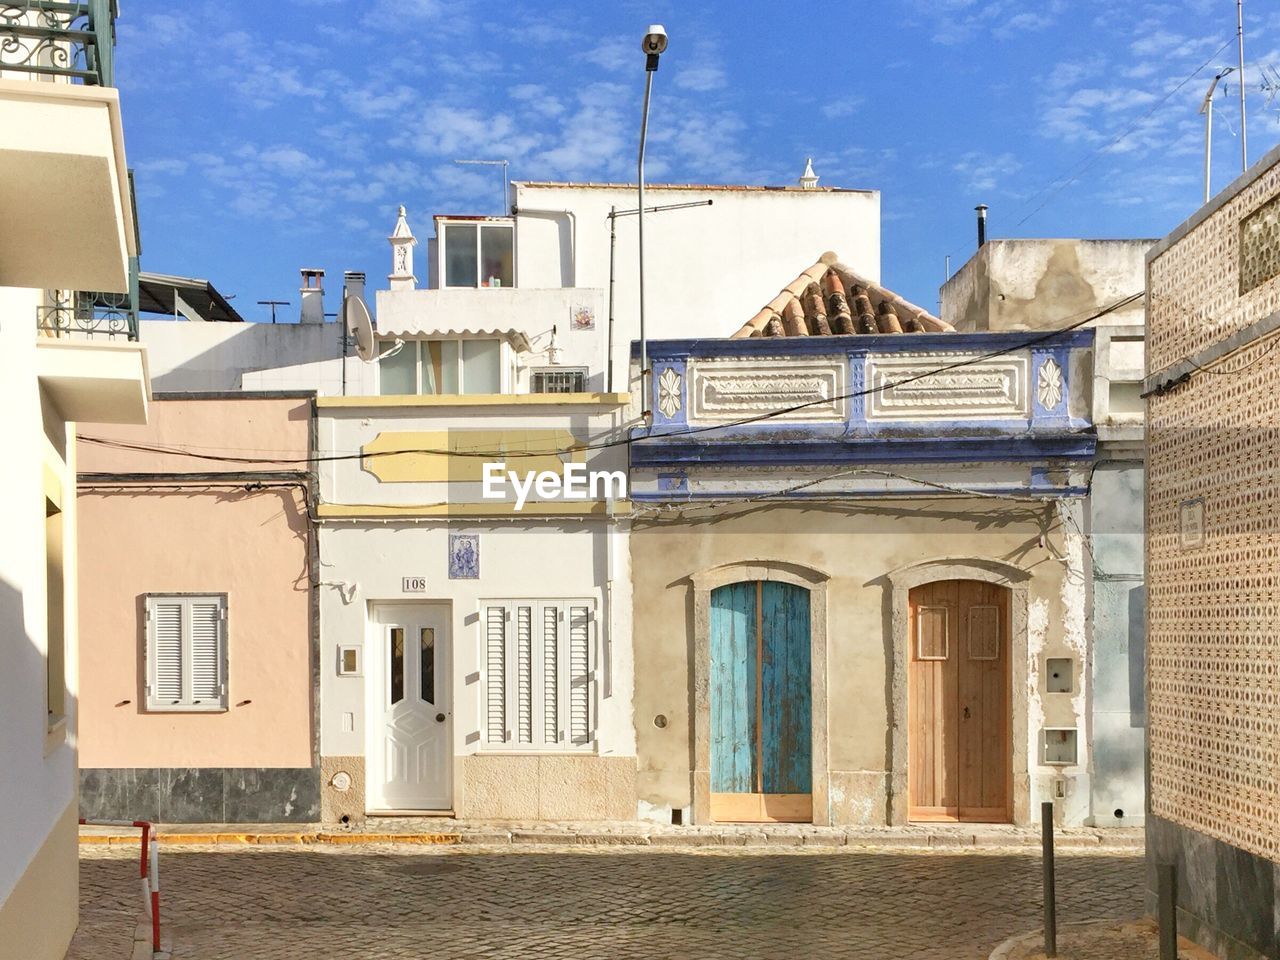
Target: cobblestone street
x=389 y=903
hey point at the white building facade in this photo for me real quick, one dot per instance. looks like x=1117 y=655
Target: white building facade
x=65 y=227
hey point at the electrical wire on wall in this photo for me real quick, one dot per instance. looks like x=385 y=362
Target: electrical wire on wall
x=609 y=439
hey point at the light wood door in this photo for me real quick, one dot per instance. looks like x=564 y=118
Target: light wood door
x=761 y=695
x=960 y=762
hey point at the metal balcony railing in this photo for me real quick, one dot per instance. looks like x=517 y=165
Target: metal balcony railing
x=78 y=313
x=56 y=38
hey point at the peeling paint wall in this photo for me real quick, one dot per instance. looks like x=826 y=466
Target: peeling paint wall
x=1044 y=284
x=856 y=546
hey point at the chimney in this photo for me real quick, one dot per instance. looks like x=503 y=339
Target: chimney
x=808 y=179
x=353 y=284
x=982 y=223
x=312 y=291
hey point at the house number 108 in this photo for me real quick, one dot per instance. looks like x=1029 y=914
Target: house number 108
x=413 y=584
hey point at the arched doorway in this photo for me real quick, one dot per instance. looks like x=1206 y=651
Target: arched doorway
x=761 y=707
x=959 y=702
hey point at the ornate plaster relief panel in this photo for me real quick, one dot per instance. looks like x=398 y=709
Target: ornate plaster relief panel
x=903 y=388
x=731 y=389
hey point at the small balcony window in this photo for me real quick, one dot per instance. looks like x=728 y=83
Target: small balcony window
x=478 y=254
x=442 y=367
x=558 y=380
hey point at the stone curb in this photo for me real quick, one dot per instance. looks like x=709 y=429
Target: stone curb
x=856 y=840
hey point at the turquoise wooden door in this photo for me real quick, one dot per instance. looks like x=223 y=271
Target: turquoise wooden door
x=761 y=704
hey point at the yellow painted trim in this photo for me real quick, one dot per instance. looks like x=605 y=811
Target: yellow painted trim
x=481 y=400
x=399 y=457
x=271 y=839
x=549 y=508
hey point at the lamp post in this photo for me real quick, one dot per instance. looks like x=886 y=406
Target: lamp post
x=1206 y=108
x=653 y=45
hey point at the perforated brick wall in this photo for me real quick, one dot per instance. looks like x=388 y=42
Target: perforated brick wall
x=1213 y=545
x=1193 y=288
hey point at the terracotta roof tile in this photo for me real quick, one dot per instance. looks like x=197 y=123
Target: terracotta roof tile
x=829 y=299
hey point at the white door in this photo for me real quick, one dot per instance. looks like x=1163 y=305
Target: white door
x=409 y=754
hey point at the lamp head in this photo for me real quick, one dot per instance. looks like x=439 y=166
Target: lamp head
x=655 y=40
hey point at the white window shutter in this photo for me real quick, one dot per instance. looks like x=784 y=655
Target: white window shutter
x=550 y=673
x=579 y=675
x=495 y=671
x=206 y=652
x=166 y=646
x=524 y=674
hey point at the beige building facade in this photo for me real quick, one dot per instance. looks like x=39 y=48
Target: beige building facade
x=205 y=629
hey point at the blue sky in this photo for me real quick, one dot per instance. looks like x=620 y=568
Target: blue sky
x=273 y=135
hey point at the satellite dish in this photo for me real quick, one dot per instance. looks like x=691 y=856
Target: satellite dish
x=359 y=327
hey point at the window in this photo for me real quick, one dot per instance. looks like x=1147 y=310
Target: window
x=558 y=380
x=478 y=254
x=186 y=652
x=442 y=367
x=539 y=669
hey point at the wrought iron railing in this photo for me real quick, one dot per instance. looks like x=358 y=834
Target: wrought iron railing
x=78 y=313
x=58 y=38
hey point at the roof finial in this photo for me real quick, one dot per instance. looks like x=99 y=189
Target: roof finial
x=402 y=243
x=808 y=179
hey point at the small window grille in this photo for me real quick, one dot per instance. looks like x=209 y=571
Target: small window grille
x=559 y=381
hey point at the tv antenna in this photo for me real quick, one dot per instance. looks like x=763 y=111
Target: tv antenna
x=273 y=304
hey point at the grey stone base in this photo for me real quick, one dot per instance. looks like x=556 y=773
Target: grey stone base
x=1228 y=899
x=201 y=794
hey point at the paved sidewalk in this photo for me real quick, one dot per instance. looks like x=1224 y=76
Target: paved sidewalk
x=1135 y=940
x=392 y=902
x=443 y=831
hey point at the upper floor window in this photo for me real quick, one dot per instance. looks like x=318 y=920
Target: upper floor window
x=442 y=367
x=478 y=254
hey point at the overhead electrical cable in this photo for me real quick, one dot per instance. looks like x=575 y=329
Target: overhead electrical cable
x=596 y=443
x=1067 y=179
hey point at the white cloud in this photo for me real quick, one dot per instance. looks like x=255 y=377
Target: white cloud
x=701 y=79
x=983 y=172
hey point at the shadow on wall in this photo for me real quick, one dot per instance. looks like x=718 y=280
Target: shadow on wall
x=1138 y=656
x=249 y=348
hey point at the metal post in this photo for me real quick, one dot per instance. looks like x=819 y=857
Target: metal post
x=1167 y=909
x=1208 y=141
x=613 y=243
x=1244 y=133
x=1050 y=893
x=644 y=130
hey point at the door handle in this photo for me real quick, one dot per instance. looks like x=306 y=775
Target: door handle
x=439 y=718
x=966 y=713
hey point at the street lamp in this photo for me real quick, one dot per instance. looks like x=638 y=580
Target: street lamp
x=653 y=45
x=1206 y=108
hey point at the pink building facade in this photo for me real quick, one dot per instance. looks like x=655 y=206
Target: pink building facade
x=198 y=612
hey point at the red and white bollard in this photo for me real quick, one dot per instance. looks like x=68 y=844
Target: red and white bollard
x=148 y=868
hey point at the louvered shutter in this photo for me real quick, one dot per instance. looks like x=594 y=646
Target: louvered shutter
x=550 y=673
x=524 y=674
x=205 y=618
x=495 y=672
x=166 y=653
x=579 y=655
